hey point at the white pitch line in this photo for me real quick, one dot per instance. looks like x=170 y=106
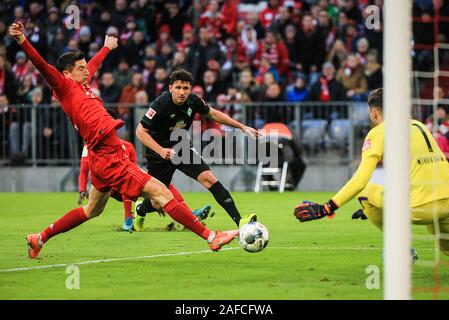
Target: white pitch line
x=61 y=265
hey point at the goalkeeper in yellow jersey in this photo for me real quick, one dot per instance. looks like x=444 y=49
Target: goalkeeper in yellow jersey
x=429 y=179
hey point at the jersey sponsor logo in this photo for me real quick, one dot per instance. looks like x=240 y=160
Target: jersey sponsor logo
x=179 y=125
x=150 y=113
x=366 y=145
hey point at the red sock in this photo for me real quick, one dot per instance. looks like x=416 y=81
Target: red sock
x=127 y=204
x=67 y=222
x=178 y=196
x=185 y=217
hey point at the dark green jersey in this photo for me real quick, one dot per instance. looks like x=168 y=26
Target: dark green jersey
x=164 y=116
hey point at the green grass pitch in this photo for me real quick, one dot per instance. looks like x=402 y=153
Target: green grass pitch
x=326 y=259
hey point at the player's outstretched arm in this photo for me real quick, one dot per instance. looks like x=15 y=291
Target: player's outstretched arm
x=50 y=73
x=110 y=43
x=308 y=211
x=145 y=137
x=223 y=118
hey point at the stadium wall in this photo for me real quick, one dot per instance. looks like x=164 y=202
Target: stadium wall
x=54 y=179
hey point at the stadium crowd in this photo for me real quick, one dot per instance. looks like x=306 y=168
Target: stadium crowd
x=237 y=51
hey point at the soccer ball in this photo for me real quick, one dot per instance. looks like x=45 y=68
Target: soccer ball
x=253 y=237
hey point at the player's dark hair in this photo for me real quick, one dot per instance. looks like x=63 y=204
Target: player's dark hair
x=66 y=61
x=375 y=99
x=180 y=75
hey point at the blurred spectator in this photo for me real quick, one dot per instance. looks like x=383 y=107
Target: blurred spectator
x=135 y=49
x=145 y=18
x=129 y=30
x=275 y=52
x=8 y=85
x=327 y=88
x=362 y=50
x=174 y=19
x=164 y=59
x=128 y=96
x=249 y=41
x=53 y=23
x=282 y=21
x=50 y=135
x=20 y=127
x=373 y=71
x=292 y=43
x=5 y=121
x=119 y=14
x=35 y=36
x=352 y=11
x=338 y=54
x=230 y=14
x=129 y=91
x=36 y=13
x=247 y=85
x=20 y=68
x=326 y=28
x=270 y=13
x=164 y=37
x=24 y=91
x=298 y=91
x=212 y=86
x=442 y=133
x=353 y=79
x=123 y=74
x=311 y=49
x=157 y=85
x=213 y=18
x=110 y=92
x=253 y=21
x=202 y=52
x=188 y=39
x=149 y=68
x=56 y=47
x=179 y=61
x=195 y=12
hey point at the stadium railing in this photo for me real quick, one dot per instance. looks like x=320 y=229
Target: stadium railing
x=40 y=135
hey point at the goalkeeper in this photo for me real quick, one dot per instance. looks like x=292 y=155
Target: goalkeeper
x=429 y=179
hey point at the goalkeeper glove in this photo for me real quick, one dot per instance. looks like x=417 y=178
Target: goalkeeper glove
x=308 y=211
x=83 y=195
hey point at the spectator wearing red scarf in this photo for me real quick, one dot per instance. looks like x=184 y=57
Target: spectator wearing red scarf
x=275 y=52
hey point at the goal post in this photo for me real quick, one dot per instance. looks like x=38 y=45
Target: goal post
x=397 y=109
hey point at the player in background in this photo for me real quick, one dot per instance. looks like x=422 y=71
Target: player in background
x=110 y=167
x=172 y=110
x=127 y=203
x=429 y=179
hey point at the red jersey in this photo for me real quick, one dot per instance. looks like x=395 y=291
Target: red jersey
x=84 y=165
x=84 y=108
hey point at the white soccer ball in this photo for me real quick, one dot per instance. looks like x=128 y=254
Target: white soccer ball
x=253 y=237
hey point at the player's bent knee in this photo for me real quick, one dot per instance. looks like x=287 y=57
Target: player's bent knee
x=157 y=191
x=92 y=212
x=207 y=179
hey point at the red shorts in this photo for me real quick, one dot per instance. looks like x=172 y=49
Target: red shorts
x=110 y=168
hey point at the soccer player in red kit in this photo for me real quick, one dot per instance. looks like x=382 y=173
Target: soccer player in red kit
x=83 y=178
x=110 y=167
x=127 y=203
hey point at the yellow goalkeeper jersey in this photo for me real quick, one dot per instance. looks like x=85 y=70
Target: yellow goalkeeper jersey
x=429 y=169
